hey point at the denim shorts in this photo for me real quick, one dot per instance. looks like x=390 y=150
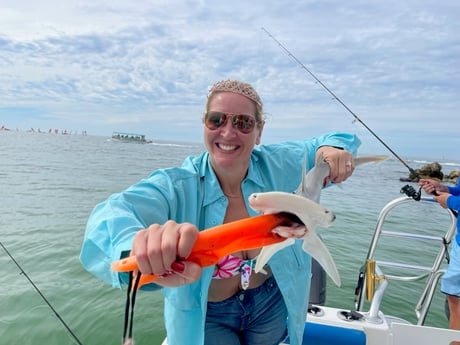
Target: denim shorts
x=250 y=317
x=450 y=283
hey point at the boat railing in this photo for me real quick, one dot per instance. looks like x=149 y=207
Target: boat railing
x=408 y=272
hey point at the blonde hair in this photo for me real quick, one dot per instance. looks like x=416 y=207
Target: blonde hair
x=240 y=88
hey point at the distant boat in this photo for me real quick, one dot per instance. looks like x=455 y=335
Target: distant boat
x=130 y=137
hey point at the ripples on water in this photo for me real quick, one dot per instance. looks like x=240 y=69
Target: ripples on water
x=50 y=184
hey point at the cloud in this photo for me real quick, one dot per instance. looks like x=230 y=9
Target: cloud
x=146 y=67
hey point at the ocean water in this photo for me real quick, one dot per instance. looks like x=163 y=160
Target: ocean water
x=50 y=183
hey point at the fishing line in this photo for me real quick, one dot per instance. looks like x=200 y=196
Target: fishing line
x=412 y=171
x=41 y=295
x=133 y=285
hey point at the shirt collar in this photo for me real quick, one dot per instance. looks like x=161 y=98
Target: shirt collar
x=209 y=178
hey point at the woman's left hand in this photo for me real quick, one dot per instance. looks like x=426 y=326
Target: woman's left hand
x=340 y=162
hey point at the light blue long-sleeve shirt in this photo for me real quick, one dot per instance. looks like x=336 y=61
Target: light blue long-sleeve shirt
x=191 y=194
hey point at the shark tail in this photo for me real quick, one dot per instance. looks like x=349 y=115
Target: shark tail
x=370 y=159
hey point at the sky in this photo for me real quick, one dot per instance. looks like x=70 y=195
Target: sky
x=146 y=67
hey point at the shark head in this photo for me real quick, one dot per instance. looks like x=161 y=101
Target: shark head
x=307 y=211
x=310 y=214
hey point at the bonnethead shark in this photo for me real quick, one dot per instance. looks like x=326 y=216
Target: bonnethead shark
x=304 y=203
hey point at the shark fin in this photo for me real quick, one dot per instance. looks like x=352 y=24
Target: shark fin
x=314 y=246
x=267 y=252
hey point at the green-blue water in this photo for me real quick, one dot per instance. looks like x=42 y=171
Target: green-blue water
x=49 y=185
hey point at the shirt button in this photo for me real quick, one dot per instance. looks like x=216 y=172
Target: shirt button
x=241 y=297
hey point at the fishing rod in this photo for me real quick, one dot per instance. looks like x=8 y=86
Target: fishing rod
x=412 y=171
x=42 y=296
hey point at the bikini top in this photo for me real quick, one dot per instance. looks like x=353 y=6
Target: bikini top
x=230 y=266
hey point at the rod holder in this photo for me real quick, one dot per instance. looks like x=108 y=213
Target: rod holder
x=371 y=279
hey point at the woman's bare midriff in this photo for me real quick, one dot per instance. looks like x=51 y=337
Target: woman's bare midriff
x=221 y=289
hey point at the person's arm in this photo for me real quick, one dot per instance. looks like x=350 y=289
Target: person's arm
x=453 y=202
x=345 y=141
x=338 y=149
x=454 y=190
x=113 y=224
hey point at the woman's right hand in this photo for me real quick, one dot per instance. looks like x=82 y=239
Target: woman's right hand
x=162 y=250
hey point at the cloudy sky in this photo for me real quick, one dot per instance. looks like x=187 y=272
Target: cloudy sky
x=146 y=66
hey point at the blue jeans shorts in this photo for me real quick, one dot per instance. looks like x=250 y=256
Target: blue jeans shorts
x=450 y=283
x=251 y=317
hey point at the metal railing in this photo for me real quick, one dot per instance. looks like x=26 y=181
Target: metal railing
x=411 y=272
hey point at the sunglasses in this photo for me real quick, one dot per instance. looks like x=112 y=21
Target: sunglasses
x=216 y=119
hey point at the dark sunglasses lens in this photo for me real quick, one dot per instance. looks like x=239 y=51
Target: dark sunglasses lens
x=215 y=120
x=244 y=123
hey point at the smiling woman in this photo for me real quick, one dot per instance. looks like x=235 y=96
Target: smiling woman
x=159 y=218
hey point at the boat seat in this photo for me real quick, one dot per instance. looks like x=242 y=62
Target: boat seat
x=319 y=334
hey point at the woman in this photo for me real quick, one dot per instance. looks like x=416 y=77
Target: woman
x=158 y=220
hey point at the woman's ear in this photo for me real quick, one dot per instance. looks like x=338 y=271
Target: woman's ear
x=260 y=128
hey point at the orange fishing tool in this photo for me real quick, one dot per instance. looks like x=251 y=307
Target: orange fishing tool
x=214 y=243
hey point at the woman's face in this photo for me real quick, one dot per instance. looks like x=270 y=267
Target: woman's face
x=228 y=147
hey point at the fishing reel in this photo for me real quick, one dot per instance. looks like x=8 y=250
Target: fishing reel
x=410 y=192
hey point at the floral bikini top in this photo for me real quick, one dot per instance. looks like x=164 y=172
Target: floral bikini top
x=230 y=266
